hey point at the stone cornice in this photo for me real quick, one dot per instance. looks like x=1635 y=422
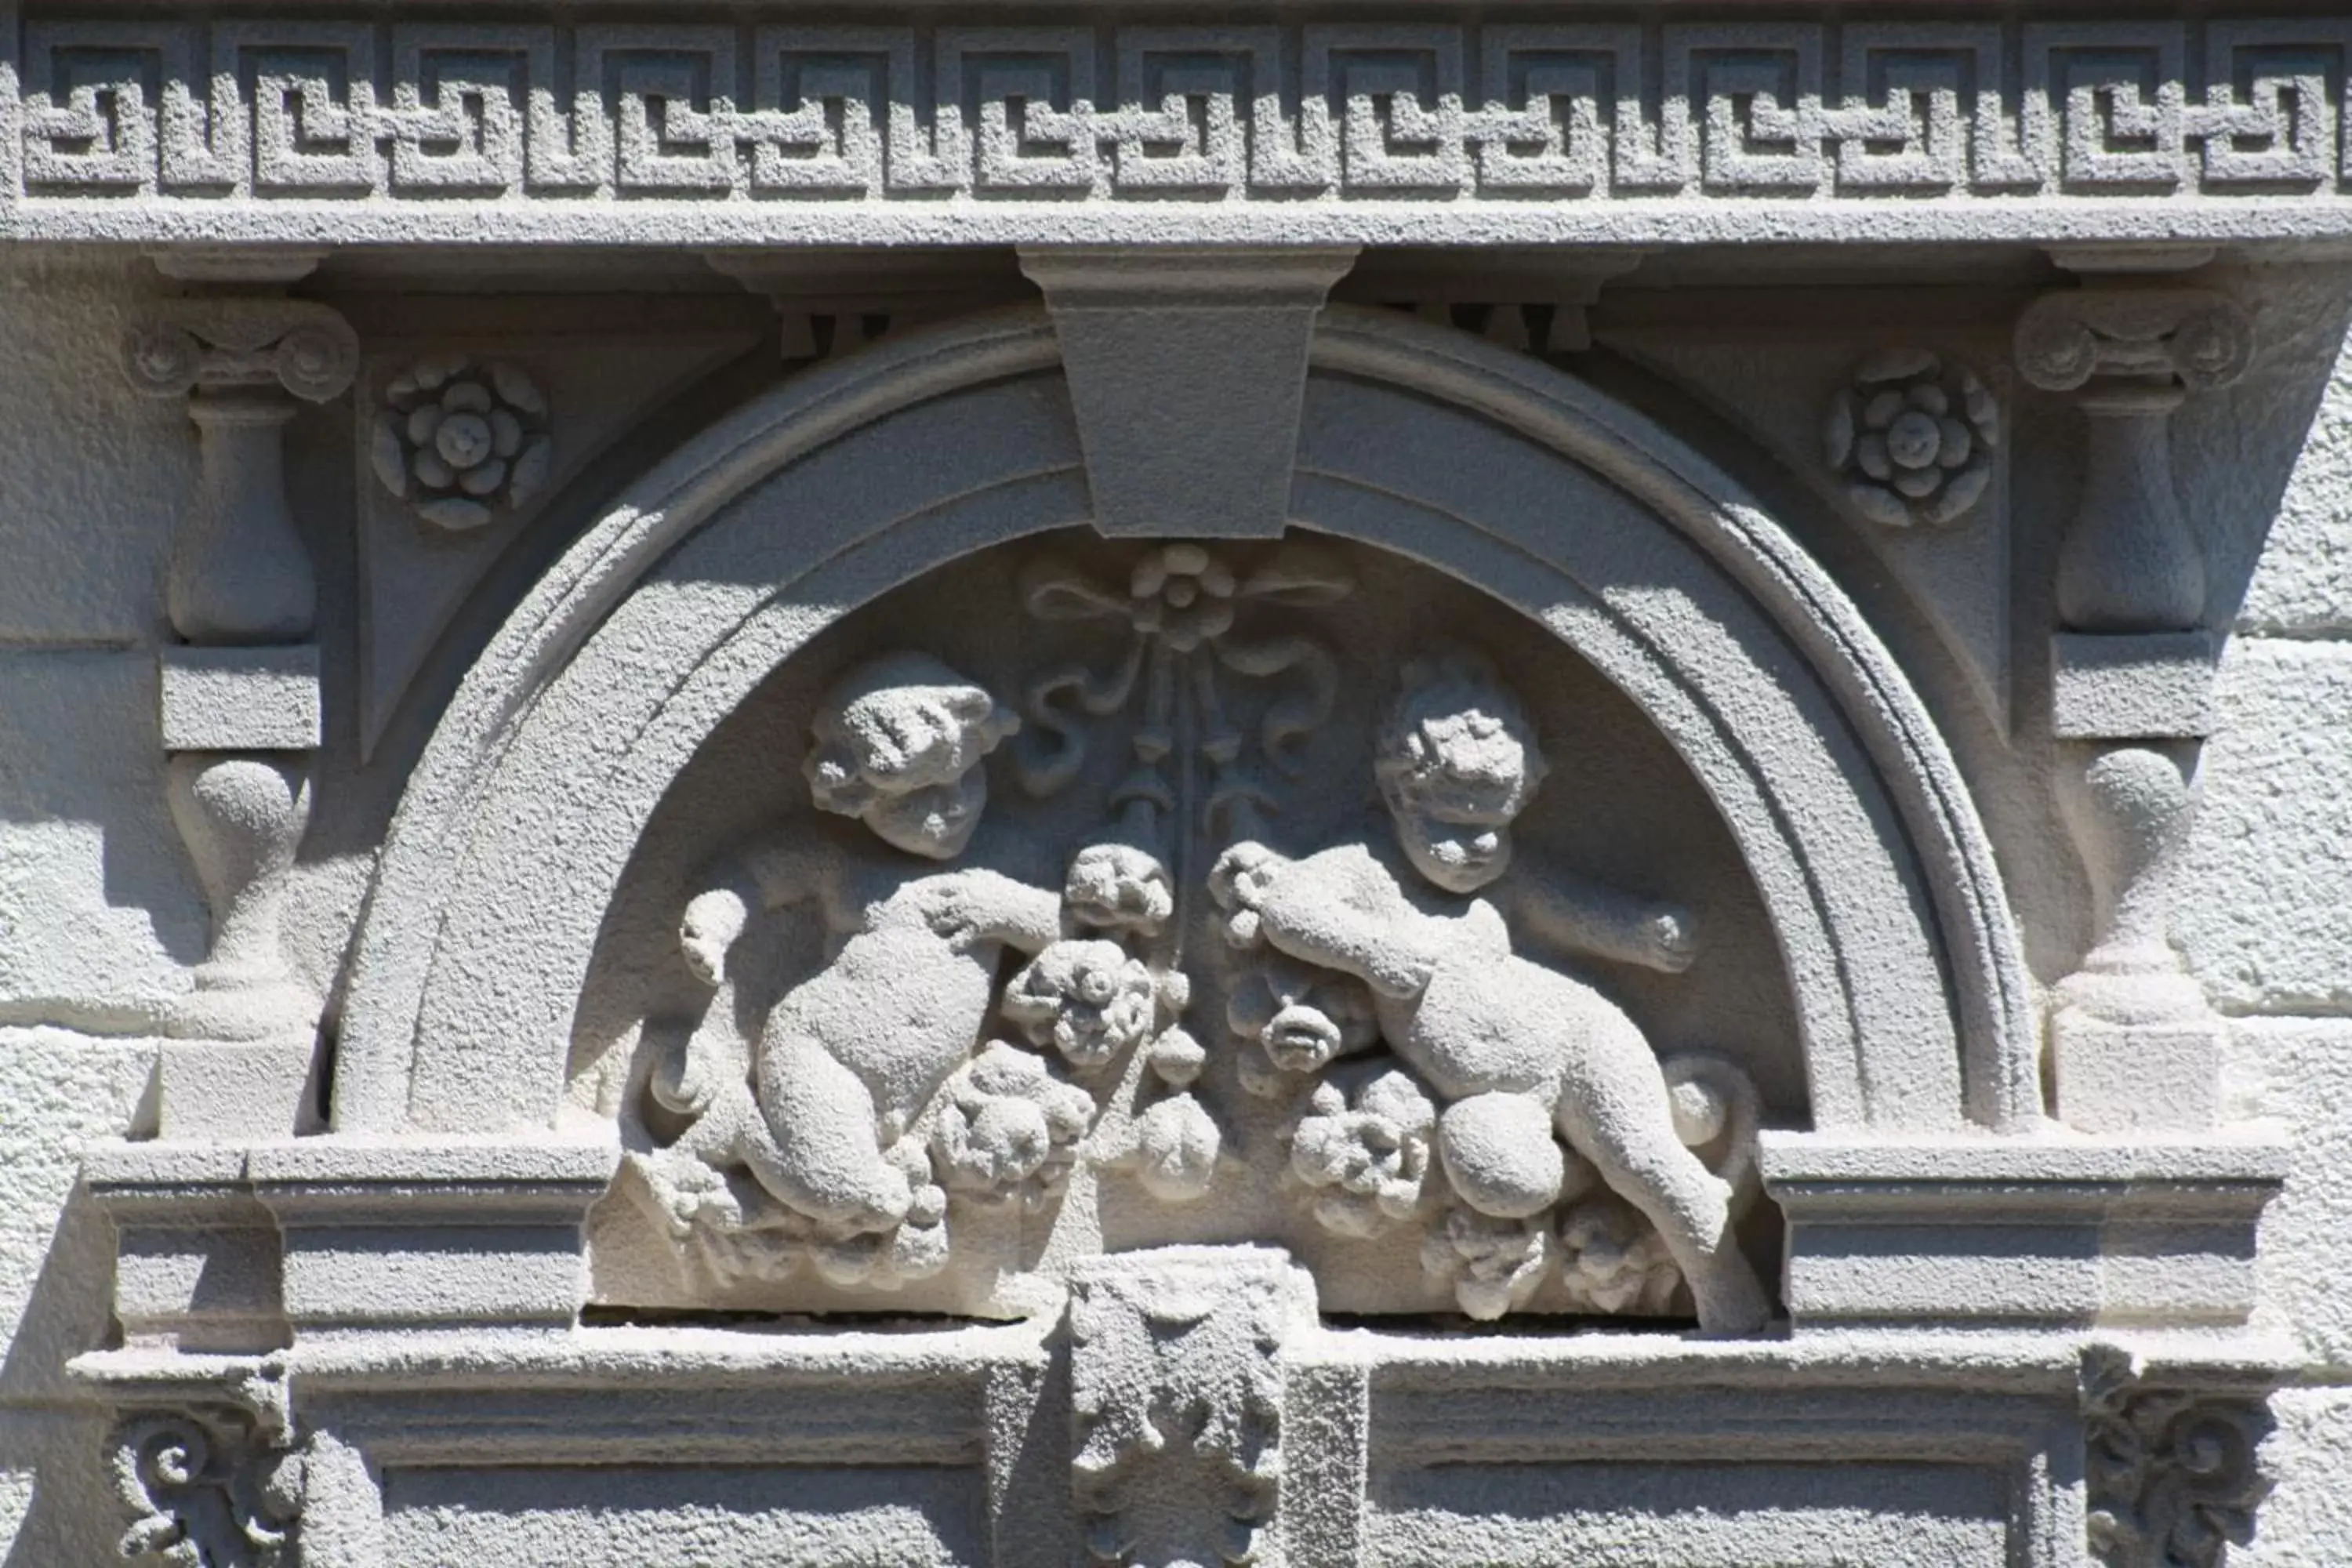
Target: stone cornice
x=156 y=129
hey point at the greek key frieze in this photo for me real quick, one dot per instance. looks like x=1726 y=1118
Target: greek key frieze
x=434 y=111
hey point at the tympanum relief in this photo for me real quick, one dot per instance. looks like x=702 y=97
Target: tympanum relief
x=1108 y=896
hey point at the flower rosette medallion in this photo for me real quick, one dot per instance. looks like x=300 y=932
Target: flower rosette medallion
x=1912 y=440
x=462 y=440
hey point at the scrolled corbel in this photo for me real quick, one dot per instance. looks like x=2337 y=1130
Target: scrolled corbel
x=207 y=1489
x=2173 y=1474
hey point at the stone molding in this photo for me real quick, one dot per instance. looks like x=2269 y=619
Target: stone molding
x=2074 y=1442
x=712 y=130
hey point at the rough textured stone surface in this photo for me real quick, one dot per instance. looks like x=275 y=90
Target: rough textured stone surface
x=95 y=890
x=936 y=910
x=56 y=1269
x=2304 y=1071
x=2303 y=585
x=99 y=472
x=2308 y=1517
x=2261 y=914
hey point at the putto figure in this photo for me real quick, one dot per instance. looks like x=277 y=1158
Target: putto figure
x=1457 y=763
x=1513 y=1049
x=851 y=1056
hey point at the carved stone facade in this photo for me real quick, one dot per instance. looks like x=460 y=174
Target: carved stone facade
x=1287 y=788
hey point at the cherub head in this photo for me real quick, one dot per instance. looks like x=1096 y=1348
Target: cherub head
x=1457 y=762
x=898 y=743
x=1087 y=999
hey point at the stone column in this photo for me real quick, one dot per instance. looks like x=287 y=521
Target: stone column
x=240 y=693
x=2135 y=1045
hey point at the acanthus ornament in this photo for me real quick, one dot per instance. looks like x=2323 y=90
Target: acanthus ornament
x=461 y=440
x=1176 y=1401
x=1912 y=438
x=2172 y=1474
x=206 y=1492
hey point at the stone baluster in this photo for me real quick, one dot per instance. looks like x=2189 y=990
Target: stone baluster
x=240 y=692
x=2133 y=1042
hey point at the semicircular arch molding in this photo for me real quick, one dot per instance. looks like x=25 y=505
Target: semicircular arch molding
x=1505 y=473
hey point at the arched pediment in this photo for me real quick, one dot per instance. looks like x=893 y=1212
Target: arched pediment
x=1495 y=469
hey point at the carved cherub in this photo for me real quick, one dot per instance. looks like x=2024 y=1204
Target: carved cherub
x=1515 y=1050
x=1511 y=1045
x=849 y=1056
x=1457 y=762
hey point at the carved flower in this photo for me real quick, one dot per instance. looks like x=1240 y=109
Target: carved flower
x=1613 y=1259
x=1182 y=594
x=1913 y=438
x=1118 y=887
x=1085 y=999
x=1494 y=1265
x=1009 y=1130
x=1366 y=1153
x=461 y=440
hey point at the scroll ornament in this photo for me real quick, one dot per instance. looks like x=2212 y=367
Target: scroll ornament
x=206 y=1492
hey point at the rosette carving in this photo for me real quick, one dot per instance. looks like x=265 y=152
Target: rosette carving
x=462 y=440
x=1913 y=438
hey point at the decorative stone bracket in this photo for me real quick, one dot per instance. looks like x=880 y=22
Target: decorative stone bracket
x=240 y=691
x=2135 y=1045
x=2171 y=1472
x=203 y=1458
x=207 y=1489
x=1177 y=1395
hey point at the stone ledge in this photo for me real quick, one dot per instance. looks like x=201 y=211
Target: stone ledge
x=2156 y=1232
x=2252 y=1153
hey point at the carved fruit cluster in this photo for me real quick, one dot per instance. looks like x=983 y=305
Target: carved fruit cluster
x=462 y=440
x=1912 y=438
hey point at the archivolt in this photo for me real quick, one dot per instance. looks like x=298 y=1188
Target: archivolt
x=838 y=485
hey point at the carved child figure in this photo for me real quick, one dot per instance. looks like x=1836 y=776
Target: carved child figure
x=1457 y=763
x=1515 y=1050
x=850 y=1056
